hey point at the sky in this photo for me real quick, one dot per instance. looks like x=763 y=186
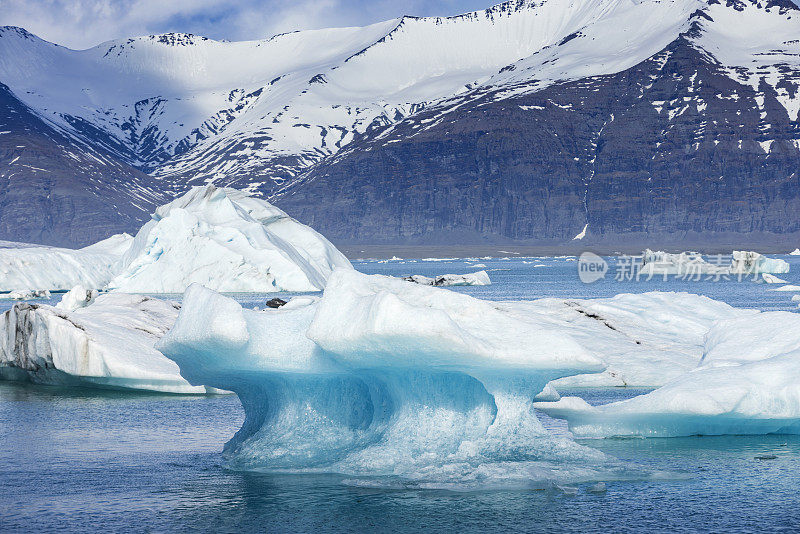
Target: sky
x=82 y=24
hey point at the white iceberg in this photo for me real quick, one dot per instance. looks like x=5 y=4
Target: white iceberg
x=772 y=279
x=747 y=383
x=788 y=287
x=107 y=344
x=480 y=278
x=42 y=268
x=655 y=263
x=753 y=263
x=221 y=238
x=77 y=297
x=227 y=241
x=26 y=294
x=742 y=263
x=795 y=252
x=382 y=377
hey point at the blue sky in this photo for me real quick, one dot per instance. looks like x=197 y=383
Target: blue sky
x=85 y=23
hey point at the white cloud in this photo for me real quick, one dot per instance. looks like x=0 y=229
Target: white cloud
x=85 y=23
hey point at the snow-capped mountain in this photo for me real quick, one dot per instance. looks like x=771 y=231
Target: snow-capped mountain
x=526 y=121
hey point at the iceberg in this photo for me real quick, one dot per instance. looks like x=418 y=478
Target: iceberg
x=227 y=241
x=105 y=344
x=26 y=294
x=39 y=268
x=795 y=252
x=480 y=278
x=772 y=279
x=645 y=339
x=746 y=383
x=787 y=287
x=383 y=378
x=219 y=237
x=662 y=263
x=693 y=263
x=746 y=262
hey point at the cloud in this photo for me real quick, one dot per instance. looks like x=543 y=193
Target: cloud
x=85 y=23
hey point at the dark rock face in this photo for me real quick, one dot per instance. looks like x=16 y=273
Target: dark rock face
x=673 y=151
x=56 y=191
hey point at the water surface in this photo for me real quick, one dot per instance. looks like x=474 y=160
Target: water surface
x=78 y=460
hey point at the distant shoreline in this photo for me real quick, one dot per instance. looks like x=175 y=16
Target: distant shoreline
x=499 y=251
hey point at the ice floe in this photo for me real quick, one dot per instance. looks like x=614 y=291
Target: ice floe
x=480 y=278
x=747 y=262
x=743 y=263
x=106 y=344
x=747 y=383
x=25 y=294
x=788 y=287
x=38 y=268
x=772 y=279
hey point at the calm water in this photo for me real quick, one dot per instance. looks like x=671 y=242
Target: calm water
x=74 y=460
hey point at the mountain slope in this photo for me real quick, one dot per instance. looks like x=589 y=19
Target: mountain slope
x=672 y=121
x=55 y=191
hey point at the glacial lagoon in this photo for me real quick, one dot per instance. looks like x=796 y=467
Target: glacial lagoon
x=77 y=459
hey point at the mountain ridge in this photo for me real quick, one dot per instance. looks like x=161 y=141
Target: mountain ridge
x=320 y=99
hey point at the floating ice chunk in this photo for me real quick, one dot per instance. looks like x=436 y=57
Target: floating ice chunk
x=227 y=241
x=693 y=263
x=772 y=279
x=746 y=384
x=381 y=377
x=646 y=339
x=788 y=287
x=26 y=294
x=600 y=487
x=480 y=278
x=655 y=263
x=746 y=262
x=795 y=252
x=107 y=344
x=50 y=268
x=480 y=266
x=77 y=297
